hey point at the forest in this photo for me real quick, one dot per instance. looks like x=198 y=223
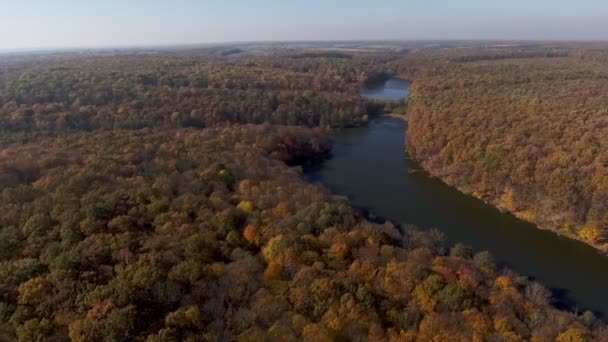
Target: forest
x=167 y=235
x=186 y=90
x=525 y=130
x=160 y=198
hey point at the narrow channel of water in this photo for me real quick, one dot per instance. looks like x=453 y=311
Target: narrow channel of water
x=369 y=166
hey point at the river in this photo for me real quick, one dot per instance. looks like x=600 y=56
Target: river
x=370 y=166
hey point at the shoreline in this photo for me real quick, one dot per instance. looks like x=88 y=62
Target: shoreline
x=517 y=215
x=373 y=213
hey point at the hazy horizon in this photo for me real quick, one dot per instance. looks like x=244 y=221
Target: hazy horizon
x=68 y=24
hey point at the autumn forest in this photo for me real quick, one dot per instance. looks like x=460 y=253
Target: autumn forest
x=159 y=196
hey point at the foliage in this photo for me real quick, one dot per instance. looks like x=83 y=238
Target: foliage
x=207 y=235
x=185 y=90
x=522 y=128
x=166 y=233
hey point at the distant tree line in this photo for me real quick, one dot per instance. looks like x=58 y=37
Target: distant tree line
x=132 y=92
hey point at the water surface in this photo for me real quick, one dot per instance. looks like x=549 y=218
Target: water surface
x=394 y=89
x=370 y=167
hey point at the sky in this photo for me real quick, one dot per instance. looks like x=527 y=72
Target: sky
x=33 y=24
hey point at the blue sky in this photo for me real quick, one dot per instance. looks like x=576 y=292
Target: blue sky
x=91 y=23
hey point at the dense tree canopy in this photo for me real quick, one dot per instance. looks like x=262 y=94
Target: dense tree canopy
x=207 y=235
x=156 y=198
x=181 y=90
x=524 y=130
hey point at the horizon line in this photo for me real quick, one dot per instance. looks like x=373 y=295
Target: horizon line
x=170 y=46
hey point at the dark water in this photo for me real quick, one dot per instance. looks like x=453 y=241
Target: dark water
x=370 y=167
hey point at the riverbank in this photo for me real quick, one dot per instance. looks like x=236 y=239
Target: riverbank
x=528 y=215
x=524 y=216
x=389 y=91
x=369 y=167
x=533 y=149
x=520 y=215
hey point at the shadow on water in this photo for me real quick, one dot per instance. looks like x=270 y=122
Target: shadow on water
x=369 y=165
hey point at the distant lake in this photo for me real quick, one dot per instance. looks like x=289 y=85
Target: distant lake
x=371 y=167
x=395 y=89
